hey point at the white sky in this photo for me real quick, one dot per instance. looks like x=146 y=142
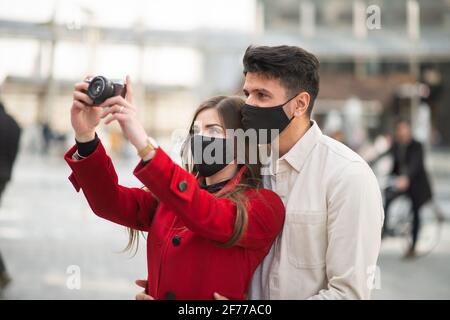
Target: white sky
x=157 y=14
x=163 y=66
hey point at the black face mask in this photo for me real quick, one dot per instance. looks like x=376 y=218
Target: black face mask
x=204 y=149
x=268 y=118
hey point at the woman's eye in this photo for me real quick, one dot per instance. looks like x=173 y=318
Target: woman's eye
x=261 y=95
x=215 y=130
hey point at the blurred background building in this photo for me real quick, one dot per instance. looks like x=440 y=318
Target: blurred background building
x=373 y=51
x=379 y=59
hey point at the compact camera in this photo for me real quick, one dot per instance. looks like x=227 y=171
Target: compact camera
x=100 y=88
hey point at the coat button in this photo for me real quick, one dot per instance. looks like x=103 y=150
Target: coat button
x=170 y=295
x=182 y=186
x=176 y=240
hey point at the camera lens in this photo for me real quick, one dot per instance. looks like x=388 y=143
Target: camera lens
x=100 y=89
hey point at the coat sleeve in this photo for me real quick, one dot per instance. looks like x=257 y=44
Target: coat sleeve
x=415 y=163
x=14 y=141
x=202 y=212
x=96 y=176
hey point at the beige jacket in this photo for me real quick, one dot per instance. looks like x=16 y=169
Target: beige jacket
x=330 y=242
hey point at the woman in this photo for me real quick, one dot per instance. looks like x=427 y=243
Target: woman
x=207 y=233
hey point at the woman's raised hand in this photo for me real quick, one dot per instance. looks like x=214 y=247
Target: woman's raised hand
x=125 y=112
x=84 y=117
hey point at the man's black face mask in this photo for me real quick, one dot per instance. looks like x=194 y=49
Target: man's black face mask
x=272 y=119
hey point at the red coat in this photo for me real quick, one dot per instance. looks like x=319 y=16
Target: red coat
x=184 y=224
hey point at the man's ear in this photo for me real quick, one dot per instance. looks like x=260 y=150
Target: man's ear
x=302 y=104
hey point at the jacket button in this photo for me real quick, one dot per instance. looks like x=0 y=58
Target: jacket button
x=182 y=186
x=176 y=240
x=170 y=295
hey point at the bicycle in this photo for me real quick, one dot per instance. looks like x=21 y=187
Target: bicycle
x=399 y=223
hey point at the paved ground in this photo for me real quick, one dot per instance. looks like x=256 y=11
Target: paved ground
x=426 y=277
x=48 y=234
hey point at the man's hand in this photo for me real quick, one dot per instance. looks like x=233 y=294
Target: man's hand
x=219 y=297
x=142 y=295
x=402 y=183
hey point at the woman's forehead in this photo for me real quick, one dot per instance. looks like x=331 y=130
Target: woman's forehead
x=208 y=116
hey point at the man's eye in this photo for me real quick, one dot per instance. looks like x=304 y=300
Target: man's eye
x=261 y=95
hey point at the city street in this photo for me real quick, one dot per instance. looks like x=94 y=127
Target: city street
x=46 y=228
x=48 y=234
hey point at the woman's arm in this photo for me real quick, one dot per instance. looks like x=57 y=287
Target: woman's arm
x=96 y=176
x=202 y=212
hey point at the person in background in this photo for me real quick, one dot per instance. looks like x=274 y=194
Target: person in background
x=9 y=146
x=47 y=136
x=410 y=178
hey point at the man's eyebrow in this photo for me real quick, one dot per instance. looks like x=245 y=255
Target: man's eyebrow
x=260 y=90
x=264 y=91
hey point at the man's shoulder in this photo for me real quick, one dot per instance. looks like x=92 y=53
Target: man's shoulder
x=339 y=162
x=339 y=152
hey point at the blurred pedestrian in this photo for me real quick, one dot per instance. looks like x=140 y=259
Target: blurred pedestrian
x=410 y=178
x=47 y=136
x=9 y=144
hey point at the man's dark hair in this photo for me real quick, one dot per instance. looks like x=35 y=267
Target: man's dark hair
x=296 y=68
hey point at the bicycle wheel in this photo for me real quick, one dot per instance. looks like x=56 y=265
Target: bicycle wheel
x=399 y=221
x=431 y=222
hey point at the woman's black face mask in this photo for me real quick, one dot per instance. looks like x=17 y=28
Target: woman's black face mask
x=272 y=119
x=211 y=154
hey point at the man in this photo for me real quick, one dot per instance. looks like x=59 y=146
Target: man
x=330 y=242
x=331 y=238
x=410 y=178
x=9 y=142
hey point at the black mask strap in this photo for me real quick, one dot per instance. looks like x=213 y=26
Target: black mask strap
x=282 y=105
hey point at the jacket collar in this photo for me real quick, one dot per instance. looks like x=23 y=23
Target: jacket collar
x=231 y=184
x=298 y=154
